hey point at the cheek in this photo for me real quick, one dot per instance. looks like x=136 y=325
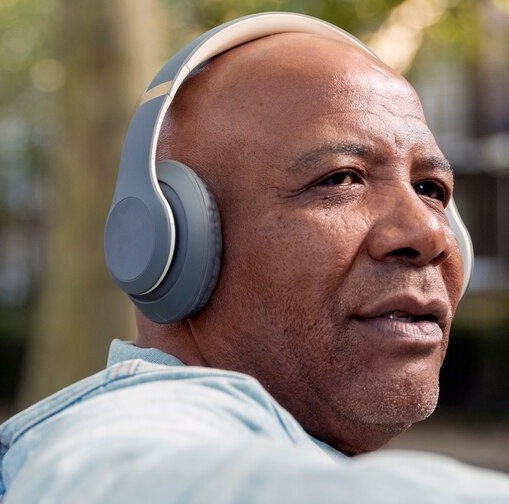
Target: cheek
x=308 y=249
x=284 y=273
x=452 y=272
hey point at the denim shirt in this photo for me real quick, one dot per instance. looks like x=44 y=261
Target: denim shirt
x=149 y=429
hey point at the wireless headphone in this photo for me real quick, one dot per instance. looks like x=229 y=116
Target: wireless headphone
x=163 y=233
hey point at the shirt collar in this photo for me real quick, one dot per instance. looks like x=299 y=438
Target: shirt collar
x=127 y=350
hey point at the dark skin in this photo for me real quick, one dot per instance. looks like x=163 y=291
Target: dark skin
x=340 y=274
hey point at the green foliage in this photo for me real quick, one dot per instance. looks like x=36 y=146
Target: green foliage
x=357 y=16
x=28 y=77
x=24 y=42
x=459 y=32
x=28 y=128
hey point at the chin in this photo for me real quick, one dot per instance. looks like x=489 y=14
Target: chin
x=403 y=411
x=374 y=423
x=370 y=434
x=401 y=398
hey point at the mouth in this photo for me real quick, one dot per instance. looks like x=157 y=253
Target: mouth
x=407 y=308
x=407 y=319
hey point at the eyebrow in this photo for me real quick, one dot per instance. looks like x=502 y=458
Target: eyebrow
x=436 y=162
x=312 y=158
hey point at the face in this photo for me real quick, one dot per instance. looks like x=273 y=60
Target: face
x=340 y=274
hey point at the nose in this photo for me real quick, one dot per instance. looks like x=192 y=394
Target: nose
x=407 y=229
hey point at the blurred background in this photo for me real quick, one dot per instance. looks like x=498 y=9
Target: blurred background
x=70 y=75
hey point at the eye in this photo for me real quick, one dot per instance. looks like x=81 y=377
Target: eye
x=431 y=189
x=341 y=178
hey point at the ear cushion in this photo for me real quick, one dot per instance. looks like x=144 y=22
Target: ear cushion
x=195 y=266
x=464 y=242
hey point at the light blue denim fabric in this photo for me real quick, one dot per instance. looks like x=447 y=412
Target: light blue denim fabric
x=149 y=429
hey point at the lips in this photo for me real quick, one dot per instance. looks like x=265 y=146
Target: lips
x=405 y=317
x=407 y=308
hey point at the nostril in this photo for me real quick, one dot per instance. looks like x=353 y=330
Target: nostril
x=440 y=258
x=405 y=252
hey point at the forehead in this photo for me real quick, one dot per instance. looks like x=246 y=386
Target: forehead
x=282 y=96
x=280 y=67
x=300 y=77
x=336 y=111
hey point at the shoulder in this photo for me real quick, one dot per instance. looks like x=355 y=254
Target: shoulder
x=137 y=381
x=136 y=398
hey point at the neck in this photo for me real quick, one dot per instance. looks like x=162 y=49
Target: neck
x=175 y=339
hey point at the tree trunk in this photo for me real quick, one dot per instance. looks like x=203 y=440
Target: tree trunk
x=110 y=50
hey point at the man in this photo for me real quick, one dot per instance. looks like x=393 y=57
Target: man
x=325 y=333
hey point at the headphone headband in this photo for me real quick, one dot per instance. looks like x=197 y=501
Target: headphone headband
x=141 y=232
x=232 y=34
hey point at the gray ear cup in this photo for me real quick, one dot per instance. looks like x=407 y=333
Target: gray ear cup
x=196 y=261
